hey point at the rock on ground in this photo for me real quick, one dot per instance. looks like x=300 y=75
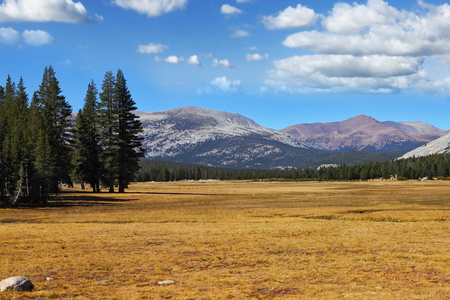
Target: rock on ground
x=17 y=283
x=166 y=282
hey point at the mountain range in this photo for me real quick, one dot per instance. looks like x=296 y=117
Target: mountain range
x=214 y=138
x=364 y=133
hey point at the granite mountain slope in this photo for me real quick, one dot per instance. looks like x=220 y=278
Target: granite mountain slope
x=438 y=146
x=209 y=137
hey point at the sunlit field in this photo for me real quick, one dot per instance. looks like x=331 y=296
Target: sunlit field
x=235 y=240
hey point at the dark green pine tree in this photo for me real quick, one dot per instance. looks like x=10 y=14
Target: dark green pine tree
x=38 y=174
x=129 y=142
x=2 y=138
x=109 y=124
x=10 y=173
x=55 y=113
x=21 y=150
x=87 y=148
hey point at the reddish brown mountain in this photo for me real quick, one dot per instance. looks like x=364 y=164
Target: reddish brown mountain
x=365 y=133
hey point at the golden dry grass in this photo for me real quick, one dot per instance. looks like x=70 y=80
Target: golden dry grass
x=235 y=240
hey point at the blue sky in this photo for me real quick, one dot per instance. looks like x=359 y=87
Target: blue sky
x=278 y=62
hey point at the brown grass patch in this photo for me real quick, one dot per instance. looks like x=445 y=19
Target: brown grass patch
x=235 y=240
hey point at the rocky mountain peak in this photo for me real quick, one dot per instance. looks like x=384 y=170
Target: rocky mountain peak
x=365 y=133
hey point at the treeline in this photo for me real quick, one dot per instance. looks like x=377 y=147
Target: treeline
x=41 y=148
x=155 y=170
x=413 y=168
x=432 y=166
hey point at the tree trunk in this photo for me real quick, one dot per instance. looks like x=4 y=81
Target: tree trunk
x=111 y=184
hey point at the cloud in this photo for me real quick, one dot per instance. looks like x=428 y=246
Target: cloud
x=240 y=33
x=242 y=1
x=347 y=73
x=221 y=63
x=382 y=30
x=174 y=59
x=225 y=85
x=227 y=9
x=37 y=37
x=347 y=66
x=151 y=48
x=44 y=11
x=152 y=8
x=194 y=60
x=299 y=17
x=346 y=18
x=256 y=57
x=9 y=36
x=371 y=47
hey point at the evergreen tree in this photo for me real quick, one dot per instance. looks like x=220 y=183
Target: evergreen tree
x=130 y=144
x=2 y=138
x=9 y=165
x=55 y=112
x=38 y=177
x=21 y=150
x=87 y=147
x=109 y=124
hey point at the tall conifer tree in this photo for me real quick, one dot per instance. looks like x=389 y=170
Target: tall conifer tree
x=109 y=123
x=87 y=146
x=39 y=177
x=2 y=138
x=129 y=142
x=20 y=155
x=55 y=112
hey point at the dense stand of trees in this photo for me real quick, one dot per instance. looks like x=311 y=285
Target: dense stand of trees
x=40 y=148
x=414 y=168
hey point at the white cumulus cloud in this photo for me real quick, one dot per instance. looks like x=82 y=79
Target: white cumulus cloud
x=9 y=36
x=37 y=37
x=194 y=60
x=256 y=57
x=174 y=59
x=298 y=17
x=381 y=29
x=347 y=18
x=44 y=11
x=240 y=33
x=221 y=63
x=370 y=47
x=227 y=9
x=347 y=66
x=225 y=85
x=151 y=48
x=152 y=8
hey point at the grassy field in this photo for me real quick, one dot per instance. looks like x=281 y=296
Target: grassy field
x=235 y=240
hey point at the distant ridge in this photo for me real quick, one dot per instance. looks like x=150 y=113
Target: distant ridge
x=214 y=138
x=364 y=133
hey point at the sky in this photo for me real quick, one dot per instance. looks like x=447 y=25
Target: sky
x=279 y=63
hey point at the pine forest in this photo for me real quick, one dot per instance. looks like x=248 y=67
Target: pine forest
x=41 y=147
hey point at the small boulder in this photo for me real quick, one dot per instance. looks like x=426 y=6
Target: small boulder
x=166 y=282
x=17 y=283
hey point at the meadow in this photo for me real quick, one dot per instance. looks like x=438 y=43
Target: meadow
x=235 y=240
